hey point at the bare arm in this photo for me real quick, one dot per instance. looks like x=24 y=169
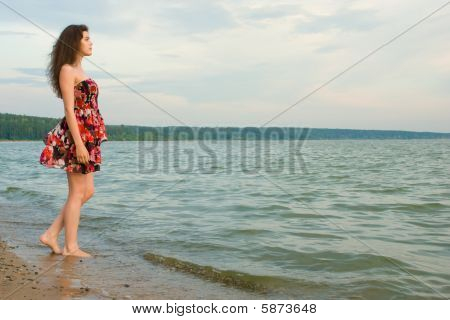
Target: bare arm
x=66 y=81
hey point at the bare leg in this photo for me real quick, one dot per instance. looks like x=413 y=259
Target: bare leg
x=78 y=184
x=50 y=236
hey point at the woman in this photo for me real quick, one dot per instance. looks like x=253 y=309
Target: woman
x=74 y=143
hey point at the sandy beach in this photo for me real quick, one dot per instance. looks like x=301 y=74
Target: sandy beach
x=21 y=280
x=16 y=274
x=48 y=276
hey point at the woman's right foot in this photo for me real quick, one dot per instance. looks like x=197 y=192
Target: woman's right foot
x=77 y=253
x=51 y=242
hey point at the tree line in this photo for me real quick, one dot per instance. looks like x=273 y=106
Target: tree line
x=24 y=127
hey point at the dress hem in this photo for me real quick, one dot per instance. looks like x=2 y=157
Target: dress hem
x=64 y=167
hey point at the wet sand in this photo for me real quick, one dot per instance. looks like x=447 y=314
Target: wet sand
x=25 y=281
x=48 y=276
x=16 y=273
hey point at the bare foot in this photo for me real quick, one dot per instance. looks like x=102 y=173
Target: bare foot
x=51 y=242
x=77 y=253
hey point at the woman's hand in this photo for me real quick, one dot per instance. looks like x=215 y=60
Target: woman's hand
x=82 y=153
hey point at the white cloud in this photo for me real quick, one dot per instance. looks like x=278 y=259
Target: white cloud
x=242 y=62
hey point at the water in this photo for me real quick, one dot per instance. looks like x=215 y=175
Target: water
x=353 y=219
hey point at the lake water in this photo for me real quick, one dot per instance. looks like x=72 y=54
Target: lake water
x=345 y=219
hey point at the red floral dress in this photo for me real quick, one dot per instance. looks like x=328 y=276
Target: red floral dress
x=60 y=149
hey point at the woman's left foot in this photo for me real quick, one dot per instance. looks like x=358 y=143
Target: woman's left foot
x=50 y=242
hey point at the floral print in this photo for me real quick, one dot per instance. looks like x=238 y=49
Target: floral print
x=60 y=148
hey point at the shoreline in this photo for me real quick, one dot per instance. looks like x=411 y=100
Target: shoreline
x=16 y=272
x=30 y=274
x=26 y=281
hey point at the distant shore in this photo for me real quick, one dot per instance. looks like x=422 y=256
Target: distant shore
x=5 y=140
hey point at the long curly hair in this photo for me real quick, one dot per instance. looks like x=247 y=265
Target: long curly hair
x=64 y=51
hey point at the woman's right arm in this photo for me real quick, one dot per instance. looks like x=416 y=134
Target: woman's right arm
x=66 y=81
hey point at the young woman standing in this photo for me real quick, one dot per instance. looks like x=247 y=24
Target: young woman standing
x=74 y=143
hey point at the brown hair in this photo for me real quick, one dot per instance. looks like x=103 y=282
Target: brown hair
x=64 y=51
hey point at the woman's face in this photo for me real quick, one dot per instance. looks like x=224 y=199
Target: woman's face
x=86 y=44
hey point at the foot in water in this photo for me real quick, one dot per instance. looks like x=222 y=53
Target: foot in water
x=77 y=253
x=51 y=242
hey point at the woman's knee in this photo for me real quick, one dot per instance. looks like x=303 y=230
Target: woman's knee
x=80 y=187
x=77 y=196
x=88 y=194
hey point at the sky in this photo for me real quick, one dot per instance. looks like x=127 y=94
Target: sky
x=240 y=63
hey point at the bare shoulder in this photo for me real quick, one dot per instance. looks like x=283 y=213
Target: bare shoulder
x=67 y=69
x=66 y=81
x=67 y=74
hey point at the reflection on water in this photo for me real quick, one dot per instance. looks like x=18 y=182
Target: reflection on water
x=65 y=274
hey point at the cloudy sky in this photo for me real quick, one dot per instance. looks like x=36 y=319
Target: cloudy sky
x=240 y=63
